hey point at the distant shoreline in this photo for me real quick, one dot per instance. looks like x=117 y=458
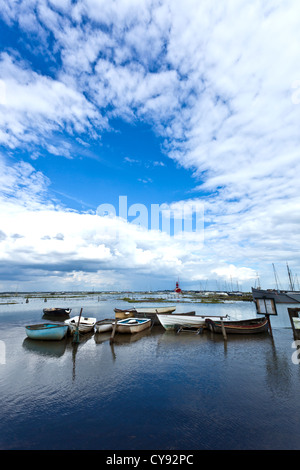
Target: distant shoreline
x=132 y=297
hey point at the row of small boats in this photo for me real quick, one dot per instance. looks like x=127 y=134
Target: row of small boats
x=56 y=332
x=133 y=321
x=173 y=321
x=81 y=324
x=119 y=313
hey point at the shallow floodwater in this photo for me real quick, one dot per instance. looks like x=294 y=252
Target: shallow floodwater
x=155 y=390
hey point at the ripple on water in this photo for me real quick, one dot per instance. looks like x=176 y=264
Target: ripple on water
x=157 y=391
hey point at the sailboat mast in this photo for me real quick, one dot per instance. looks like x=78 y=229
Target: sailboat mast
x=290 y=277
x=275 y=275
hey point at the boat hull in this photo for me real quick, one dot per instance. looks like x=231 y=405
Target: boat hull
x=155 y=309
x=57 y=311
x=280 y=297
x=104 y=325
x=155 y=320
x=143 y=312
x=244 y=327
x=46 y=332
x=122 y=314
x=174 y=321
x=86 y=324
x=133 y=325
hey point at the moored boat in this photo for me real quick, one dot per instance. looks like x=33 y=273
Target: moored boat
x=121 y=314
x=85 y=324
x=57 y=311
x=133 y=325
x=146 y=310
x=122 y=310
x=174 y=321
x=102 y=326
x=155 y=320
x=145 y=313
x=46 y=331
x=279 y=296
x=250 y=326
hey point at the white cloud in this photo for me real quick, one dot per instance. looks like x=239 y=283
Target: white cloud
x=232 y=272
x=38 y=235
x=215 y=79
x=131 y=160
x=36 y=105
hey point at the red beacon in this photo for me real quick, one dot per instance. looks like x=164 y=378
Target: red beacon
x=177 y=288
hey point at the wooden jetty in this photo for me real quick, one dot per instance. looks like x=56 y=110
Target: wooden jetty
x=294 y=314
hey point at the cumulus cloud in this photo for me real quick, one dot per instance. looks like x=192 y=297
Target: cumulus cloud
x=38 y=235
x=216 y=80
x=36 y=106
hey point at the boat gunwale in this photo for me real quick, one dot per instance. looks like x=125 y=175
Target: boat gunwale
x=44 y=326
x=84 y=321
x=138 y=321
x=259 y=323
x=104 y=321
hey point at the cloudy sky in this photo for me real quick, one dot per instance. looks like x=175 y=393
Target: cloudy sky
x=157 y=103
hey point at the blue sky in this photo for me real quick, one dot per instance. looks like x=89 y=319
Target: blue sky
x=128 y=161
x=189 y=106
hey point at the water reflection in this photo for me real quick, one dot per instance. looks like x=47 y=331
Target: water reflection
x=124 y=338
x=101 y=338
x=55 y=318
x=193 y=391
x=45 y=348
x=76 y=346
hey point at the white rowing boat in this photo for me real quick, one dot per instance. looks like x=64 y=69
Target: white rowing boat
x=104 y=325
x=172 y=322
x=86 y=324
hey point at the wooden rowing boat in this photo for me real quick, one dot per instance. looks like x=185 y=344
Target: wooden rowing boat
x=153 y=316
x=85 y=324
x=133 y=325
x=57 y=311
x=174 y=321
x=102 y=326
x=160 y=310
x=141 y=313
x=131 y=312
x=46 y=331
x=250 y=326
x=121 y=314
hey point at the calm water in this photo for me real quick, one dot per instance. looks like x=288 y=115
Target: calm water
x=157 y=390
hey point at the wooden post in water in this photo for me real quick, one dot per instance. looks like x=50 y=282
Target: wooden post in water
x=223 y=330
x=293 y=313
x=269 y=325
x=76 y=332
x=113 y=332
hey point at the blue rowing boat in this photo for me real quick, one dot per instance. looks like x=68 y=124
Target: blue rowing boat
x=46 y=331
